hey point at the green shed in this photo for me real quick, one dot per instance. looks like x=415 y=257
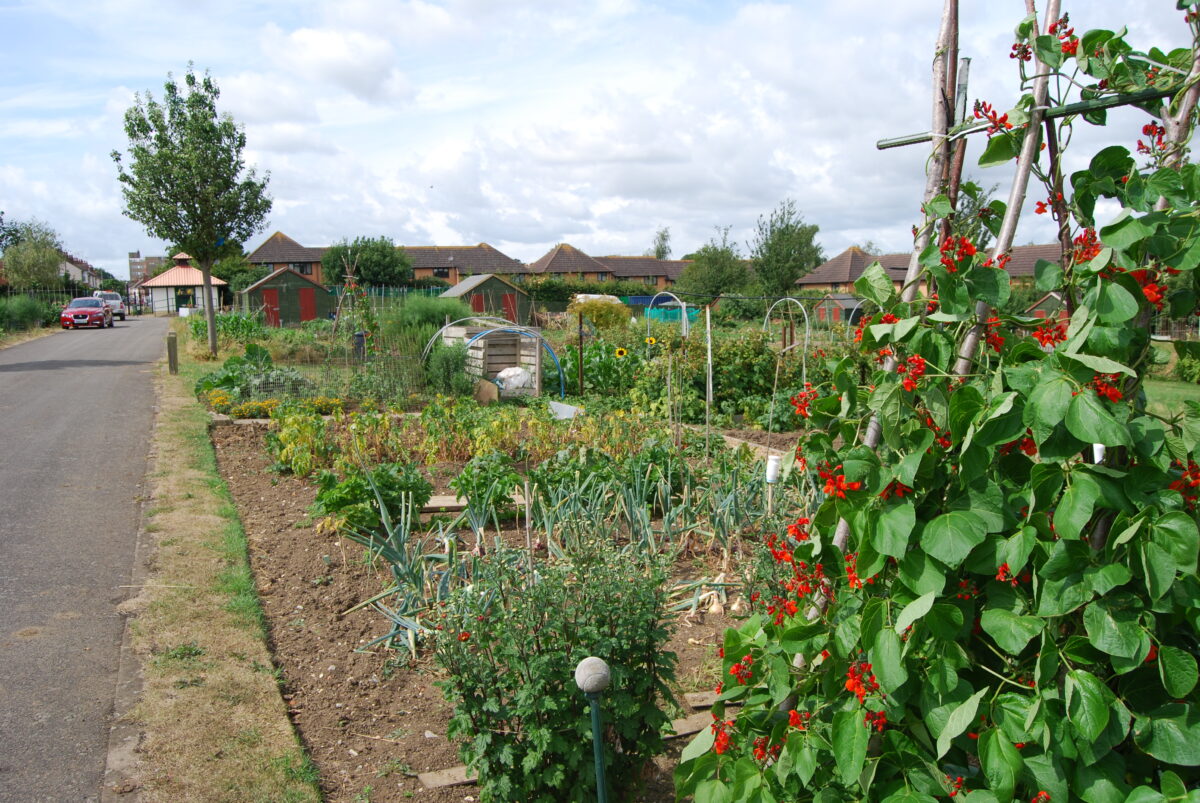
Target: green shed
x=488 y=294
x=288 y=299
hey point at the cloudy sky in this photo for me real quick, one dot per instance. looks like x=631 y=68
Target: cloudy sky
x=521 y=124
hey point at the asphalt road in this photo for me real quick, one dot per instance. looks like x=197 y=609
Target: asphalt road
x=76 y=410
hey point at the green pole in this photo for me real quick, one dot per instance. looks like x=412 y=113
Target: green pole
x=592 y=677
x=598 y=747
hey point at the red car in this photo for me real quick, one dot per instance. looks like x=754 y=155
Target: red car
x=86 y=312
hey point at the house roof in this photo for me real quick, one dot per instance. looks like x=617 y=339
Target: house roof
x=564 y=258
x=636 y=267
x=180 y=276
x=266 y=279
x=471 y=282
x=481 y=258
x=850 y=264
x=280 y=249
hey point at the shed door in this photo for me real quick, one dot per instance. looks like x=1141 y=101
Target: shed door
x=271 y=305
x=509 y=300
x=308 y=303
x=477 y=302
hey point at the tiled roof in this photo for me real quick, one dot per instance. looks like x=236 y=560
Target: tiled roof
x=180 y=276
x=474 y=259
x=849 y=265
x=1025 y=258
x=280 y=249
x=637 y=267
x=565 y=258
x=471 y=282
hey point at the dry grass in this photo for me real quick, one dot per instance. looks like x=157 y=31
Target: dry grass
x=13 y=338
x=214 y=725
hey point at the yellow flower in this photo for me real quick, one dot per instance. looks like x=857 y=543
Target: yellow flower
x=650 y=341
x=621 y=353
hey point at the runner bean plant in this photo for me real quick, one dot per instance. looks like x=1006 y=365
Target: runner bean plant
x=1011 y=608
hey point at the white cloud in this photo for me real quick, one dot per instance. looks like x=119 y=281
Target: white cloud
x=521 y=124
x=359 y=63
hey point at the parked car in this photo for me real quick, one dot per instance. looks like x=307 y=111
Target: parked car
x=114 y=302
x=86 y=312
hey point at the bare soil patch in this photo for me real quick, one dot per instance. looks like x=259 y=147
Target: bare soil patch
x=369 y=719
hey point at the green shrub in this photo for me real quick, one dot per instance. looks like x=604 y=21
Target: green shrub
x=487 y=479
x=22 y=312
x=603 y=314
x=356 y=499
x=1187 y=369
x=423 y=311
x=254 y=375
x=509 y=645
x=446 y=371
x=234 y=326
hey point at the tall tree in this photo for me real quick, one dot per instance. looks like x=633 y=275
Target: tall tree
x=187 y=182
x=6 y=233
x=662 y=244
x=379 y=262
x=784 y=249
x=33 y=256
x=716 y=268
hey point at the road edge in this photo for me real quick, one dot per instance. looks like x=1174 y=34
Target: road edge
x=120 y=780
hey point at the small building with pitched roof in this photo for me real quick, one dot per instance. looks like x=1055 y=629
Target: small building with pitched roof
x=179 y=287
x=488 y=294
x=287 y=298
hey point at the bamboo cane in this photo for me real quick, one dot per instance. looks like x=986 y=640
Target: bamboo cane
x=933 y=182
x=1016 y=196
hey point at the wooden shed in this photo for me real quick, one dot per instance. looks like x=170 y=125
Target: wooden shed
x=839 y=308
x=1048 y=306
x=489 y=294
x=288 y=299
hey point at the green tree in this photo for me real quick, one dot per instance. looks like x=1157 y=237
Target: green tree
x=662 y=244
x=784 y=249
x=238 y=272
x=376 y=261
x=187 y=182
x=6 y=233
x=716 y=268
x=33 y=257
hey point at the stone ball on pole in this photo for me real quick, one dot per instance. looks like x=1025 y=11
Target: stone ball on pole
x=592 y=675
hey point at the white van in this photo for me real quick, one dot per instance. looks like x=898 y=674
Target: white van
x=114 y=302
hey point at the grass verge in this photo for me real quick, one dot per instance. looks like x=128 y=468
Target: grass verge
x=1166 y=397
x=214 y=725
x=13 y=338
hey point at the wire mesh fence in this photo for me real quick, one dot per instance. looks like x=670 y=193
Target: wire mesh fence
x=1176 y=328
x=24 y=310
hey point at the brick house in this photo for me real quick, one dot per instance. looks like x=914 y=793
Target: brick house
x=565 y=261
x=280 y=251
x=838 y=275
x=453 y=263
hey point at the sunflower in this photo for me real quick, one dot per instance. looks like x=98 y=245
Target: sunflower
x=650 y=341
x=620 y=353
